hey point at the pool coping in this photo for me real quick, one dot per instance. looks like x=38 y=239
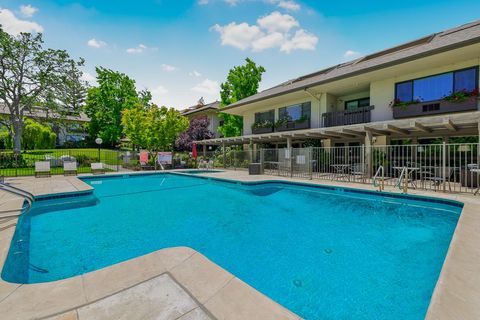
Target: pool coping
x=222 y=294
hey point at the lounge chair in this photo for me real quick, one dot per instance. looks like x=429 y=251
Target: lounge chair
x=97 y=168
x=42 y=168
x=70 y=168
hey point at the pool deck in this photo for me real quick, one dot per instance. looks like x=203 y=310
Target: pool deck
x=180 y=283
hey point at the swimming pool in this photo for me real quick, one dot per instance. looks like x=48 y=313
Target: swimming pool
x=324 y=253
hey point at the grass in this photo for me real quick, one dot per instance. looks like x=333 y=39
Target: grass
x=84 y=158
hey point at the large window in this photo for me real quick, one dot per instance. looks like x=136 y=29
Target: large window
x=295 y=112
x=438 y=86
x=265 y=116
x=355 y=104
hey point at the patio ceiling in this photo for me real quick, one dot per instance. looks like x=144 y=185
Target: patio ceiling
x=460 y=124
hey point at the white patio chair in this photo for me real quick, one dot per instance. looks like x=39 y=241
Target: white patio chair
x=70 y=167
x=97 y=168
x=42 y=168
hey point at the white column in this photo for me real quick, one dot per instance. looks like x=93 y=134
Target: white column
x=368 y=152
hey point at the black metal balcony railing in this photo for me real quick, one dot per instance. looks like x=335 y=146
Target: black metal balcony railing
x=346 y=117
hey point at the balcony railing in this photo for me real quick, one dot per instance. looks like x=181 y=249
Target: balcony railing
x=346 y=117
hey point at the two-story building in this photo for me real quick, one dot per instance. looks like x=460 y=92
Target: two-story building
x=421 y=89
x=207 y=111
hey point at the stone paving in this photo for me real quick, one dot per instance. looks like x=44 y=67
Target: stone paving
x=180 y=283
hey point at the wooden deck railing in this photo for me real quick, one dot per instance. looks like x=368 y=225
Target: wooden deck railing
x=346 y=117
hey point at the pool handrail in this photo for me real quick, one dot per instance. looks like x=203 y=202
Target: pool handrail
x=30 y=198
x=380 y=186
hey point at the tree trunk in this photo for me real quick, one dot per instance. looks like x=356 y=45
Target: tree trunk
x=17 y=137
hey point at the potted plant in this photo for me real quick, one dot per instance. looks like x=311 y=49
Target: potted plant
x=458 y=101
x=287 y=123
x=264 y=126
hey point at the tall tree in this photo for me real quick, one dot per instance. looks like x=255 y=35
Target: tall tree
x=153 y=128
x=104 y=105
x=31 y=77
x=198 y=130
x=242 y=82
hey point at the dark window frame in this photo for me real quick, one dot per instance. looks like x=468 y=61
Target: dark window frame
x=359 y=99
x=411 y=81
x=271 y=116
x=305 y=106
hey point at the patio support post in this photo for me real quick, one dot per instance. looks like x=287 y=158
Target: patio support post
x=224 y=156
x=368 y=153
x=444 y=164
x=204 y=150
x=290 y=161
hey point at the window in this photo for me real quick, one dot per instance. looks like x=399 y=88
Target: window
x=265 y=116
x=295 y=112
x=438 y=86
x=358 y=103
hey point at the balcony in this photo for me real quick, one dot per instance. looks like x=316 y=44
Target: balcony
x=435 y=107
x=293 y=125
x=346 y=117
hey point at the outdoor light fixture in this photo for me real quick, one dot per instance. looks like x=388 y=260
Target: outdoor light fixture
x=99 y=142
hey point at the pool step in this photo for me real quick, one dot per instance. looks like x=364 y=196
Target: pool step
x=66 y=203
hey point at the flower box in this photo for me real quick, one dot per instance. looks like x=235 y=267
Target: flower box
x=261 y=130
x=293 y=125
x=435 y=107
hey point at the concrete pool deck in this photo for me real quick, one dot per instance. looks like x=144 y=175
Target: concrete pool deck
x=180 y=283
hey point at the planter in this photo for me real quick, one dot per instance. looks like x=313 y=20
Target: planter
x=292 y=125
x=434 y=107
x=262 y=130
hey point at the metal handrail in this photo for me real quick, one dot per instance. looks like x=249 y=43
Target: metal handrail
x=381 y=186
x=403 y=180
x=19 y=192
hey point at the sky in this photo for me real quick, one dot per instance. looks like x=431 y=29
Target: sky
x=181 y=50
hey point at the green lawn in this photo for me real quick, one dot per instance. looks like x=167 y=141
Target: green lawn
x=84 y=158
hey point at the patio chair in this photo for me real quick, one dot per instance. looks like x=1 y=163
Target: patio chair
x=358 y=171
x=437 y=178
x=70 y=168
x=42 y=168
x=144 y=165
x=97 y=168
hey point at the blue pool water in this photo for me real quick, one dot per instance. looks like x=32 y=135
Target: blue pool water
x=324 y=253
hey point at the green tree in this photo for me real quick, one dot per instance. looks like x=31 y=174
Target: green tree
x=242 y=82
x=37 y=136
x=104 y=104
x=153 y=128
x=31 y=77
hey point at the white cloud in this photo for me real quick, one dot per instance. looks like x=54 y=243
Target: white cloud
x=94 y=43
x=238 y=35
x=350 y=54
x=15 y=26
x=302 y=40
x=276 y=21
x=88 y=77
x=207 y=86
x=232 y=2
x=158 y=94
x=138 y=49
x=271 y=40
x=168 y=68
x=195 y=73
x=289 y=5
x=28 y=11
x=275 y=30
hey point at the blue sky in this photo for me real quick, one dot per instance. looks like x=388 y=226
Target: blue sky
x=182 y=50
